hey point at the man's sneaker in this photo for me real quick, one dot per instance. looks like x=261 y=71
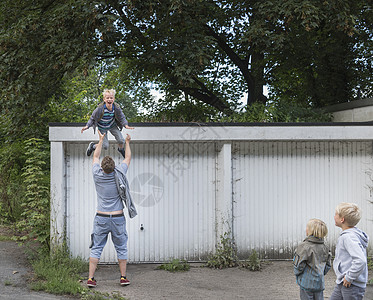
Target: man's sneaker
x=124 y=281
x=90 y=148
x=121 y=150
x=91 y=282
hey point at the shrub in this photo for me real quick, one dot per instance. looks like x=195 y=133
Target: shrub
x=36 y=209
x=252 y=263
x=225 y=256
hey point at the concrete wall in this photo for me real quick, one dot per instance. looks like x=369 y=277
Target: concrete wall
x=355 y=111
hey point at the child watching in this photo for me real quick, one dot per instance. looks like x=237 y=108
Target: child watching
x=312 y=261
x=350 y=263
x=108 y=116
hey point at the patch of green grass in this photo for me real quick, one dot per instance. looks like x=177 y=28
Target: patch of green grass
x=176 y=265
x=7 y=282
x=58 y=273
x=5 y=238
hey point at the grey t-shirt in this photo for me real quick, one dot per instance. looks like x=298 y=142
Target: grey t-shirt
x=108 y=198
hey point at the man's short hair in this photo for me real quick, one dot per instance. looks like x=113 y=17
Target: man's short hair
x=108 y=164
x=350 y=212
x=317 y=228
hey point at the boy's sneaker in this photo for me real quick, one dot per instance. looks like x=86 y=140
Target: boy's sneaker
x=121 y=150
x=90 y=148
x=91 y=282
x=124 y=281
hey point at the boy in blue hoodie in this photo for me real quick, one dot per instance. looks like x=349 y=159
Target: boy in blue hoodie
x=350 y=263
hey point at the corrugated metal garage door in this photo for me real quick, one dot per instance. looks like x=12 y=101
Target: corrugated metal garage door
x=279 y=186
x=173 y=186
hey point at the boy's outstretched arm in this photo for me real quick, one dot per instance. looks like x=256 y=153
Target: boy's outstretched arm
x=84 y=128
x=97 y=153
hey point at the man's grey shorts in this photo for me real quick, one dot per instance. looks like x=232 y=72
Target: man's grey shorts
x=102 y=226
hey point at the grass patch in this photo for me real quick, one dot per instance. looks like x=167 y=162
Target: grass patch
x=7 y=282
x=58 y=273
x=176 y=265
x=4 y=238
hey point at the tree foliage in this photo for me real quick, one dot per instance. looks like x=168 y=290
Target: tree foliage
x=210 y=51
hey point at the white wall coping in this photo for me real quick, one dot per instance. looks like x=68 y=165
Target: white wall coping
x=60 y=132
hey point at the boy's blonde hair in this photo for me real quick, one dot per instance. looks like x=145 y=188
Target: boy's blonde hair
x=350 y=212
x=317 y=228
x=107 y=91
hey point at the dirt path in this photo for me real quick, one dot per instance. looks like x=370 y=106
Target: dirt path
x=275 y=281
x=14 y=271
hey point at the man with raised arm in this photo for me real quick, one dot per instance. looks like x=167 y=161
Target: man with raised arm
x=109 y=216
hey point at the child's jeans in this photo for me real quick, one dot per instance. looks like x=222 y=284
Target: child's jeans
x=116 y=133
x=353 y=292
x=304 y=295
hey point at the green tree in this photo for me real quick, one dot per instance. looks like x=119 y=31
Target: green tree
x=208 y=51
x=327 y=64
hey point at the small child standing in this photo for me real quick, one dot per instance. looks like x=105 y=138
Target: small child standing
x=108 y=116
x=312 y=260
x=350 y=263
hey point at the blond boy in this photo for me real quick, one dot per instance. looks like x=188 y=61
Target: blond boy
x=108 y=116
x=312 y=261
x=350 y=263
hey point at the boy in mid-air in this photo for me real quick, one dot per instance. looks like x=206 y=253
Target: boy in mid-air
x=350 y=263
x=108 y=116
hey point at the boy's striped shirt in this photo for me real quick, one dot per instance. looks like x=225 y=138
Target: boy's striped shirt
x=107 y=121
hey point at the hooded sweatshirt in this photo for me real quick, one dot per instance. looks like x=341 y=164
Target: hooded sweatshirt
x=351 y=257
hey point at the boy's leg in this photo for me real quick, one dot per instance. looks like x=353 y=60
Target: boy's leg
x=318 y=295
x=352 y=293
x=337 y=294
x=119 y=138
x=304 y=295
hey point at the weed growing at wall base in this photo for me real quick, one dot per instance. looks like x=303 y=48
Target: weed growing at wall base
x=176 y=265
x=226 y=254
x=252 y=263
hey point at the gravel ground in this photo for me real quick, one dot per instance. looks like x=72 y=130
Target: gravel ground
x=274 y=281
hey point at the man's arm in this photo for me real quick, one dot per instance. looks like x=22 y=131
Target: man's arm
x=97 y=153
x=127 y=158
